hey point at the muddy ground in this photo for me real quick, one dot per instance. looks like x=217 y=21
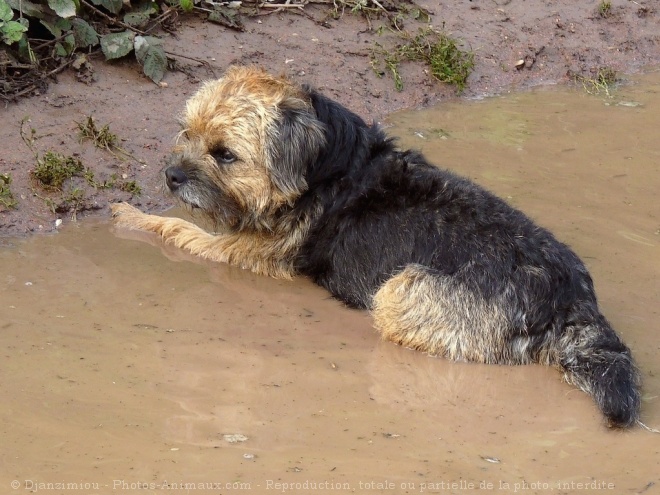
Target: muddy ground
x=555 y=38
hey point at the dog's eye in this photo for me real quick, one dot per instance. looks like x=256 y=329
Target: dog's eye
x=223 y=155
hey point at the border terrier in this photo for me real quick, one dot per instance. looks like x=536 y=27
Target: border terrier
x=298 y=184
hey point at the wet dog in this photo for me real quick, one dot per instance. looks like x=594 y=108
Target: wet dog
x=301 y=185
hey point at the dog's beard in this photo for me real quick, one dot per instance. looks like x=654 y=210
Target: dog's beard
x=213 y=205
x=191 y=198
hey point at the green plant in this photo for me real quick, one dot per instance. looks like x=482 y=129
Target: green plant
x=149 y=51
x=73 y=201
x=439 y=51
x=102 y=138
x=11 y=31
x=131 y=187
x=54 y=168
x=366 y=8
x=602 y=82
x=390 y=60
x=605 y=8
x=77 y=26
x=6 y=196
x=96 y=184
x=396 y=12
x=70 y=29
x=74 y=196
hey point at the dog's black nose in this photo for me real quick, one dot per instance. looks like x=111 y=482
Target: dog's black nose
x=175 y=178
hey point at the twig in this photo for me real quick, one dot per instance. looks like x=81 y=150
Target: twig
x=111 y=19
x=50 y=42
x=199 y=61
x=282 y=6
x=158 y=21
x=33 y=86
x=49 y=202
x=279 y=7
x=377 y=4
x=29 y=142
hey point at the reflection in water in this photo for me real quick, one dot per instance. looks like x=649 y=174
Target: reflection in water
x=131 y=361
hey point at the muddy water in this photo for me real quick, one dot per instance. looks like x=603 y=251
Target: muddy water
x=132 y=368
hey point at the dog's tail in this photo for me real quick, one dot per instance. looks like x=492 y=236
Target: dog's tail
x=594 y=359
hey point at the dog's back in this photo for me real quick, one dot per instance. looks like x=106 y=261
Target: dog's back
x=450 y=269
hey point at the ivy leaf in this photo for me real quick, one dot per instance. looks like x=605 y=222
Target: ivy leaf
x=420 y=14
x=136 y=19
x=151 y=55
x=29 y=9
x=113 y=6
x=58 y=27
x=12 y=31
x=226 y=17
x=186 y=5
x=84 y=34
x=65 y=47
x=63 y=8
x=141 y=13
x=5 y=11
x=117 y=45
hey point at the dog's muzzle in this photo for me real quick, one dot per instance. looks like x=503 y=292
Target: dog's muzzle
x=175 y=177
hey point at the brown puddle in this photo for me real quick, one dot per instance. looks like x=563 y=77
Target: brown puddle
x=124 y=369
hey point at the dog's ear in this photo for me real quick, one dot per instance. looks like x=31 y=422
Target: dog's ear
x=299 y=137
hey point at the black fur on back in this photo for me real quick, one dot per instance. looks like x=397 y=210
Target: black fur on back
x=381 y=209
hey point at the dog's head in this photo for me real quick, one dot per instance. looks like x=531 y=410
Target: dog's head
x=245 y=145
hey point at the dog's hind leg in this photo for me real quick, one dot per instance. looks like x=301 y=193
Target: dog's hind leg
x=422 y=309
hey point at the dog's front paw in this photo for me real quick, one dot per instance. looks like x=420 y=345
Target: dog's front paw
x=122 y=208
x=125 y=215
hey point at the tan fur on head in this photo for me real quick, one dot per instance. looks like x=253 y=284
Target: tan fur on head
x=269 y=127
x=243 y=112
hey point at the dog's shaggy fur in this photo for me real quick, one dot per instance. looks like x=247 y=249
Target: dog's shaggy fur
x=300 y=185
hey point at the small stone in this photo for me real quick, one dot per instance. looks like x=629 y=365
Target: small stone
x=236 y=437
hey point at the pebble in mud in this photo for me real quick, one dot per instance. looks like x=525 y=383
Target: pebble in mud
x=235 y=438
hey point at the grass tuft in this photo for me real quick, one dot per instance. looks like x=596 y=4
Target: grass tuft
x=53 y=169
x=605 y=8
x=602 y=82
x=447 y=62
x=6 y=196
x=102 y=138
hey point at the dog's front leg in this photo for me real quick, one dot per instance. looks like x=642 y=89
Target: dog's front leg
x=259 y=253
x=172 y=230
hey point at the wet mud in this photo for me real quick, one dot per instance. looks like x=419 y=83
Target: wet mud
x=130 y=367
x=517 y=45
